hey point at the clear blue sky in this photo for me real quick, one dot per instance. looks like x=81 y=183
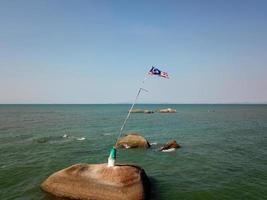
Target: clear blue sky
x=99 y=51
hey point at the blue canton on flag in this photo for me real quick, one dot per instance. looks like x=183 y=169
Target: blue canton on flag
x=155 y=71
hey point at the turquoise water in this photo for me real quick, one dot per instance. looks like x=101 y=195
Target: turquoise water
x=223 y=154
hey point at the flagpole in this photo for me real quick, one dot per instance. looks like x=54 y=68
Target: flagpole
x=112 y=155
x=152 y=71
x=131 y=108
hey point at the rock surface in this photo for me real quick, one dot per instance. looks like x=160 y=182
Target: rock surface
x=142 y=111
x=132 y=140
x=99 y=182
x=167 y=110
x=148 y=111
x=137 y=111
x=172 y=144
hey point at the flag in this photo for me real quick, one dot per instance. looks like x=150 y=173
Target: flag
x=155 y=71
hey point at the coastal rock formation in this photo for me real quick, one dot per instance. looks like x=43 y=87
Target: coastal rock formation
x=99 y=182
x=167 y=110
x=142 y=111
x=137 y=111
x=170 y=145
x=148 y=111
x=132 y=140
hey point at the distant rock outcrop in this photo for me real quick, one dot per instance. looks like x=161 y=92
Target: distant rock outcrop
x=142 y=111
x=166 y=110
x=137 y=111
x=132 y=140
x=148 y=111
x=99 y=182
x=172 y=144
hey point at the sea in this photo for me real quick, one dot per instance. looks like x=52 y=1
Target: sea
x=223 y=152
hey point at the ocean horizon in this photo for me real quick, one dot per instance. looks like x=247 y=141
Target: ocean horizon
x=223 y=152
x=130 y=103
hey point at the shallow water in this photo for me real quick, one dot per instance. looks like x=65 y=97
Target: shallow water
x=223 y=154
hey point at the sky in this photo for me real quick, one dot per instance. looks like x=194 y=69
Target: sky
x=82 y=51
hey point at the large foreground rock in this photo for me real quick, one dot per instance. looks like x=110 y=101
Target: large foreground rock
x=99 y=182
x=133 y=140
x=172 y=144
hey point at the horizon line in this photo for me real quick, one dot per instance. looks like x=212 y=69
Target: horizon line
x=128 y=103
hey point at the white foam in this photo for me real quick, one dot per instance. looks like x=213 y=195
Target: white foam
x=81 y=138
x=127 y=146
x=169 y=150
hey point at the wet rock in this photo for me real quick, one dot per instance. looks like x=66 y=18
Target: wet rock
x=99 y=182
x=142 y=111
x=132 y=140
x=137 y=111
x=167 y=110
x=148 y=111
x=170 y=145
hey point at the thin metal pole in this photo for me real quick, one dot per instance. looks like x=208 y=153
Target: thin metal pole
x=129 y=112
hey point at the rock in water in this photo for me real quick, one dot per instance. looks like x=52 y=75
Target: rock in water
x=172 y=144
x=167 y=110
x=137 y=111
x=142 y=111
x=133 y=140
x=148 y=111
x=99 y=182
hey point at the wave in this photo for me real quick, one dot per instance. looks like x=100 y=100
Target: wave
x=73 y=137
x=81 y=138
x=169 y=150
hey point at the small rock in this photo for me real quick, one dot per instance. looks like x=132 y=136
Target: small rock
x=167 y=110
x=132 y=140
x=172 y=144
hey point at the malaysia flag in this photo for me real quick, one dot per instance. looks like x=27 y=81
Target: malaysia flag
x=155 y=71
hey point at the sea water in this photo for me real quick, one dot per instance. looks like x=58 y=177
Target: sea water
x=223 y=154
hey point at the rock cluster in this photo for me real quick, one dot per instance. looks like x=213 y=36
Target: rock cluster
x=100 y=182
x=135 y=140
x=165 y=110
